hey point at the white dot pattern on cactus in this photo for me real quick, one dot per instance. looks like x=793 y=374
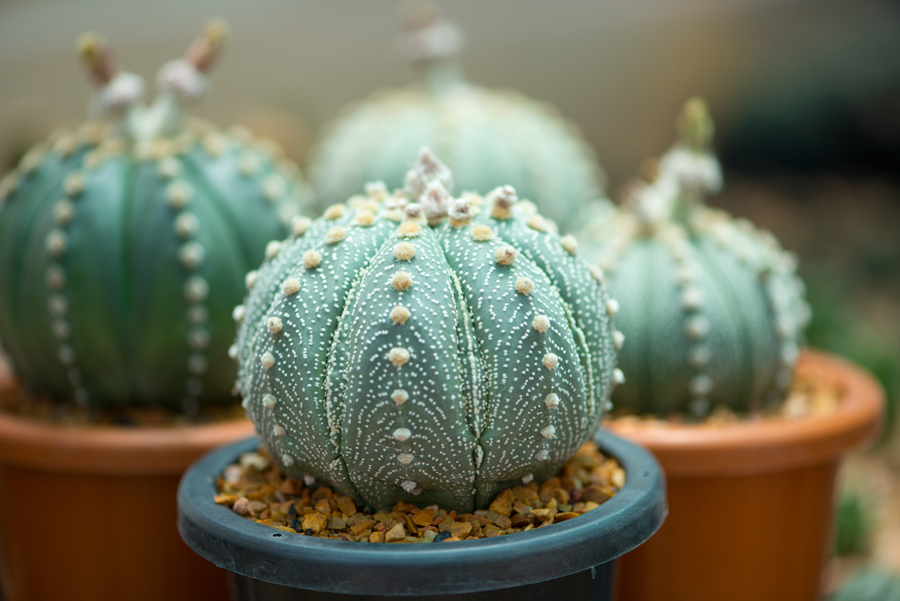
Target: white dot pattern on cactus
x=439 y=380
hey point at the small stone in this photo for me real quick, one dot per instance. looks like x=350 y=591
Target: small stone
x=398 y=532
x=315 y=521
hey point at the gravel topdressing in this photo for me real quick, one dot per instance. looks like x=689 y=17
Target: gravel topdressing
x=256 y=489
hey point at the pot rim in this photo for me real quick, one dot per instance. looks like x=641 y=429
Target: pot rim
x=765 y=446
x=256 y=551
x=110 y=450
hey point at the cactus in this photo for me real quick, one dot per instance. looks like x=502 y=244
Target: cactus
x=487 y=137
x=433 y=351
x=711 y=305
x=124 y=244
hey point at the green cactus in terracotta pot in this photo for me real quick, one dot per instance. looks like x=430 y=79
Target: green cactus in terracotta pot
x=712 y=308
x=415 y=346
x=487 y=137
x=124 y=244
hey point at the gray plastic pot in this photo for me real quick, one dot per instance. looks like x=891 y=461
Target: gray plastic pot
x=572 y=560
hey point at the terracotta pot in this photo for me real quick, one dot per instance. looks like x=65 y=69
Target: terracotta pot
x=89 y=513
x=750 y=503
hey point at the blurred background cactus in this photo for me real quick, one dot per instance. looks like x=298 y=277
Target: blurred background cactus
x=416 y=346
x=123 y=243
x=711 y=305
x=487 y=137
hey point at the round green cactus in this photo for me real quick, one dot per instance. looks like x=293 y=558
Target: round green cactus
x=712 y=308
x=123 y=245
x=488 y=138
x=433 y=351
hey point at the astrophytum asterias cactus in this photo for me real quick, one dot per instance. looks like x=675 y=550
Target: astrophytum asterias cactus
x=711 y=305
x=124 y=244
x=434 y=351
x=487 y=137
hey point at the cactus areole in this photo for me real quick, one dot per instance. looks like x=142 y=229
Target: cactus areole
x=712 y=307
x=487 y=137
x=420 y=347
x=123 y=245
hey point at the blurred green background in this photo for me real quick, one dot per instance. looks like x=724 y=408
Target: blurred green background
x=806 y=95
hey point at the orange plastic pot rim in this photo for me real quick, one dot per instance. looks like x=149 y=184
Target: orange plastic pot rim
x=110 y=450
x=768 y=445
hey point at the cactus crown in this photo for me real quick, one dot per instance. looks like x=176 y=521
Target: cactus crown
x=180 y=82
x=722 y=313
x=123 y=245
x=418 y=346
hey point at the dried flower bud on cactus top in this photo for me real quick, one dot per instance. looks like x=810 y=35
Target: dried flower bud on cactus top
x=487 y=137
x=711 y=305
x=124 y=243
x=427 y=359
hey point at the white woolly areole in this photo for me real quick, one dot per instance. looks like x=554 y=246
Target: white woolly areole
x=124 y=90
x=409 y=486
x=183 y=80
x=402 y=434
x=309 y=480
x=503 y=197
x=405 y=458
x=549 y=431
x=427 y=169
x=551 y=401
x=435 y=200
x=694 y=170
x=461 y=209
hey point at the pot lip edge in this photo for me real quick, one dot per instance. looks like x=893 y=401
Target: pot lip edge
x=109 y=449
x=644 y=504
x=751 y=447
